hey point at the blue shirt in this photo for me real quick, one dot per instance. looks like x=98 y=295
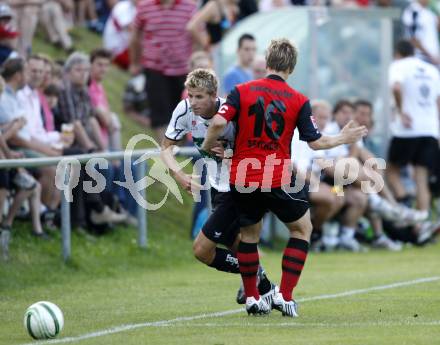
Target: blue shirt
x=236 y=75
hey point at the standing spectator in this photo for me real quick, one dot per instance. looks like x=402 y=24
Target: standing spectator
x=27 y=18
x=7 y=34
x=53 y=18
x=241 y=72
x=117 y=31
x=210 y=22
x=246 y=8
x=165 y=45
x=422 y=28
x=416 y=89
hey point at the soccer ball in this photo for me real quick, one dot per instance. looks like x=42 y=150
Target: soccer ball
x=43 y=320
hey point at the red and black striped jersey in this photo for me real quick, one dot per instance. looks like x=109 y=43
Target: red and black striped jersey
x=266 y=112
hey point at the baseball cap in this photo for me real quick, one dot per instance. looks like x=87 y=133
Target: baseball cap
x=6 y=11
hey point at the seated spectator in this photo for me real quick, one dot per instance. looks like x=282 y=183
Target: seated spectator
x=363 y=115
x=75 y=106
x=109 y=121
x=259 y=67
x=27 y=13
x=118 y=27
x=8 y=34
x=53 y=17
x=241 y=72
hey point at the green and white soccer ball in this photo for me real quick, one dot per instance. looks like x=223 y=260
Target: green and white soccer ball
x=43 y=320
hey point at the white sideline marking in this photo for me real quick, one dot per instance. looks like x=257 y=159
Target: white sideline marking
x=294 y=323
x=124 y=328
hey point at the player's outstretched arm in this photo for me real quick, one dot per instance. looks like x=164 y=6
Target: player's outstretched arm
x=166 y=153
x=350 y=134
x=215 y=129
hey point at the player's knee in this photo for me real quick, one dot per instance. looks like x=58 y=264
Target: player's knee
x=201 y=253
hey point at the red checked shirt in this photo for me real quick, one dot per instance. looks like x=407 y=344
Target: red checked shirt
x=267 y=111
x=166 y=45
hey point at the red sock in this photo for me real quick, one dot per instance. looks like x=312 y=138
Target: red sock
x=248 y=261
x=294 y=257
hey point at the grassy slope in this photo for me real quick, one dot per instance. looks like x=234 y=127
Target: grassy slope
x=34 y=262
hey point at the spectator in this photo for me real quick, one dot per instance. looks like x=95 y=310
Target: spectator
x=27 y=18
x=117 y=31
x=12 y=110
x=270 y=5
x=422 y=28
x=210 y=22
x=415 y=131
x=75 y=106
x=259 y=67
x=241 y=72
x=363 y=115
x=160 y=34
x=54 y=21
x=7 y=34
x=246 y=8
x=109 y=121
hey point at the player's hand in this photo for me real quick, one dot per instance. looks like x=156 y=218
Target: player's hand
x=189 y=182
x=406 y=120
x=353 y=132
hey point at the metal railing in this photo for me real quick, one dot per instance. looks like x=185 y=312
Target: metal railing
x=141 y=169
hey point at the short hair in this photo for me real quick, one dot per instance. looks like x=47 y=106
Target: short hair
x=202 y=78
x=76 y=58
x=320 y=103
x=404 y=48
x=281 y=55
x=52 y=90
x=342 y=103
x=363 y=103
x=243 y=38
x=11 y=67
x=100 y=53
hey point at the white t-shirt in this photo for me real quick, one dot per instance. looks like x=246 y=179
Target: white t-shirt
x=420 y=87
x=422 y=24
x=185 y=121
x=116 y=37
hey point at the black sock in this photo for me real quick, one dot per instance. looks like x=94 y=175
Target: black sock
x=225 y=261
x=265 y=285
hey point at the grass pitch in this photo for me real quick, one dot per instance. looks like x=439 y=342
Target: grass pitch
x=175 y=287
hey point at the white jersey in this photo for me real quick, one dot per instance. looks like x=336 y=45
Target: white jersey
x=420 y=87
x=116 y=36
x=185 y=121
x=421 y=23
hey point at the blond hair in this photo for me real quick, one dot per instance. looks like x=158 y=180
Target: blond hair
x=204 y=79
x=281 y=55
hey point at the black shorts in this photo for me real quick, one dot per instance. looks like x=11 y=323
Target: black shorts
x=418 y=151
x=5 y=179
x=288 y=207
x=164 y=93
x=223 y=224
